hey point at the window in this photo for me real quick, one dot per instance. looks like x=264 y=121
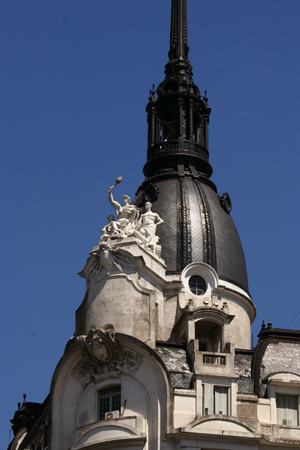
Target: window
x=197 y=285
x=287 y=409
x=109 y=399
x=215 y=399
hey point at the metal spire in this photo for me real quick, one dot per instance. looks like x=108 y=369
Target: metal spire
x=178 y=53
x=178 y=36
x=178 y=117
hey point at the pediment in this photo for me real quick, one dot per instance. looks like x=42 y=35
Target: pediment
x=223 y=426
x=105 y=432
x=284 y=378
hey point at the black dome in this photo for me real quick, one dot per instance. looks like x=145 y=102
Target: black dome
x=196 y=227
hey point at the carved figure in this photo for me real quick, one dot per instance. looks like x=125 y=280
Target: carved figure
x=107 y=259
x=147 y=226
x=127 y=214
x=110 y=230
x=104 y=258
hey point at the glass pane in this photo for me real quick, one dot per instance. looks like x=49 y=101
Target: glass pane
x=103 y=407
x=109 y=400
x=197 y=285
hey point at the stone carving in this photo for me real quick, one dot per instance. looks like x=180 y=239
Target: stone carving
x=127 y=214
x=111 y=230
x=104 y=258
x=106 y=255
x=104 y=357
x=147 y=226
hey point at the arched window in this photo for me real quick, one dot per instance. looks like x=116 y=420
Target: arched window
x=168 y=127
x=109 y=399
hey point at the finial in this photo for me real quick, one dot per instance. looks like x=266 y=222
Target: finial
x=205 y=98
x=152 y=93
x=263 y=326
x=269 y=324
x=24 y=399
x=19 y=406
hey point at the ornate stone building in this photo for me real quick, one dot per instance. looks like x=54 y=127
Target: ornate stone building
x=161 y=357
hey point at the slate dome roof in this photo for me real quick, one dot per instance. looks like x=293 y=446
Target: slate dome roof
x=196 y=227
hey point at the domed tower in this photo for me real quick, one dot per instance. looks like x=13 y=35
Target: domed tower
x=170 y=266
x=197 y=223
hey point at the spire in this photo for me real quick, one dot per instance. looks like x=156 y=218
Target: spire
x=178 y=54
x=178 y=117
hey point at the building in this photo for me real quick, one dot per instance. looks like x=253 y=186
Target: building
x=161 y=356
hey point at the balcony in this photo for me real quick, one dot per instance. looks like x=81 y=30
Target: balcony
x=212 y=363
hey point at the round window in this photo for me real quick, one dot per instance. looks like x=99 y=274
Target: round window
x=197 y=285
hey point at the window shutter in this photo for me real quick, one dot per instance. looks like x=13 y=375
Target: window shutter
x=221 y=400
x=208 y=399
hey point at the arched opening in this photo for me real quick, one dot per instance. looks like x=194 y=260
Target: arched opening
x=168 y=127
x=209 y=335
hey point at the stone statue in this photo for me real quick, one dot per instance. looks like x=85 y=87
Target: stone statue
x=127 y=214
x=128 y=224
x=147 y=226
x=110 y=230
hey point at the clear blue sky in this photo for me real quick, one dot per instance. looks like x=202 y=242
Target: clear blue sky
x=74 y=84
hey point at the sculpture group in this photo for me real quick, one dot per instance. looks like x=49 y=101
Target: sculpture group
x=107 y=254
x=130 y=223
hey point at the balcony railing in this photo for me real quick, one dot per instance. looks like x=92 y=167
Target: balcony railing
x=218 y=360
x=173 y=147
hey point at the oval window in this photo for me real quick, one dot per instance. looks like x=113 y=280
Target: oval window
x=197 y=285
